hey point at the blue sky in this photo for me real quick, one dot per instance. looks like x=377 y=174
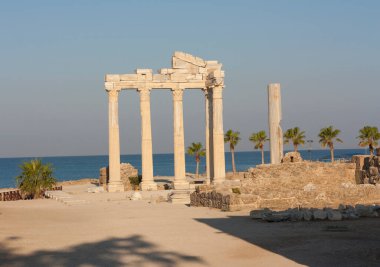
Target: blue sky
x=54 y=55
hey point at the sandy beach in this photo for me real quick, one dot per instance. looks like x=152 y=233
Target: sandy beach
x=108 y=229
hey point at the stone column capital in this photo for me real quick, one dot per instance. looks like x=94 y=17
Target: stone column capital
x=110 y=86
x=113 y=93
x=177 y=94
x=144 y=93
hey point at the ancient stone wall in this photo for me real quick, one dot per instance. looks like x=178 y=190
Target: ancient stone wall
x=291 y=185
x=126 y=171
x=292 y=157
x=367 y=169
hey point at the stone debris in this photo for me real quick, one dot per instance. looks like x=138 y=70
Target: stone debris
x=64 y=197
x=291 y=157
x=334 y=215
x=348 y=185
x=136 y=196
x=304 y=214
x=126 y=171
x=155 y=199
x=96 y=189
x=367 y=168
x=319 y=214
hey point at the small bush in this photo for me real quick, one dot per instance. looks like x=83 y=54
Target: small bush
x=35 y=178
x=236 y=190
x=135 y=181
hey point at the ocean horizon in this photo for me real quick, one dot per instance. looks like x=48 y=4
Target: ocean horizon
x=79 y=167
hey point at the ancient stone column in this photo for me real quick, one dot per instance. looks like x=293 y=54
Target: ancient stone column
x=207 y=135
x=180 y=181
x=114 y=183
x=218 y=135
x=146 y=141
x=274 y=118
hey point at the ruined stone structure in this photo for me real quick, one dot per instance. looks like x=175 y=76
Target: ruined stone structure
x=274 y=119
x=291 y=157
x=367 y=168
x=187 y=72
x=126 y=171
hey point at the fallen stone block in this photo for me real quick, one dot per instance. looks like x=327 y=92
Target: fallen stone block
x=307 y=215
x=334 y=215
x=319 y=215
x=276 y=216
x=258 y=214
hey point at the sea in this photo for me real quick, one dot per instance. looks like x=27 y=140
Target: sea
x=78 y=167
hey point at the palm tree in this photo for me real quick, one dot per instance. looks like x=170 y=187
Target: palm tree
x=35 y=177
x=198 y=151
x=327 y=136
x=296 y=136
x=259 y=140
x=232 y=138
x=368 y=136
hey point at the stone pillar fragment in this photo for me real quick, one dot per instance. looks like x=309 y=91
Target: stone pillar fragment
x=274 y=120
x=114 y=184
x=218 y=135
x=180 y=181
x=146 y=141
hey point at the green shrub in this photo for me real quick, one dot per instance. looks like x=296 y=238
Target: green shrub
x=35 y=178
x=236 y=190
x=135 y=181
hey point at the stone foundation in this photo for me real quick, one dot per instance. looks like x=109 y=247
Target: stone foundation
x=290 y=185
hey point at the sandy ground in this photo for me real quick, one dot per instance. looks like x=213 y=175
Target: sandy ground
x=111 y=230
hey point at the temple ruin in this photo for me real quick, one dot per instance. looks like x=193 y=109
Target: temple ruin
x=187 y=72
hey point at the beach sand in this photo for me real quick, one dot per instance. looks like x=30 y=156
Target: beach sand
x=111 y=230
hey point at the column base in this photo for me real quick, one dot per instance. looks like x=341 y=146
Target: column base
x=115 y=187
x=183 y=185
x=148 y=186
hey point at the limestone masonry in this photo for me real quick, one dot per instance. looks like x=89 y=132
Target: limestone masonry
x=187 y=72
x=126 y=171
x=274 y=120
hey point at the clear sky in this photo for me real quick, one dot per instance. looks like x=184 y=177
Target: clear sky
x=54 y=54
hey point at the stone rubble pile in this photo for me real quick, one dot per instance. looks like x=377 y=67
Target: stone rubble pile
x=225 y=201
x=126 y=171
x=344 y=212
x=16 y=194
x=11 y=195
x=367 y=168
x=291 y=157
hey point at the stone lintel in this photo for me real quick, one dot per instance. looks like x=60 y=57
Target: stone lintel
x=159 y=85
x=128 y=77
x=165 y=71
x=112 y=78
x=143 y=71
